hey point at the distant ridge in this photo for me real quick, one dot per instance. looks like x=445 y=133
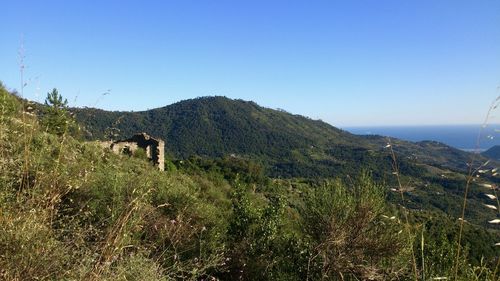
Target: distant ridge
x=461 y=136
x=493 y=153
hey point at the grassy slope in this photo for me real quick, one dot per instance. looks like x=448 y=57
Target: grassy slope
x=70 y=210
x=73 y=211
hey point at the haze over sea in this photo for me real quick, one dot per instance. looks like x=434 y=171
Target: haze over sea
x=459 y=136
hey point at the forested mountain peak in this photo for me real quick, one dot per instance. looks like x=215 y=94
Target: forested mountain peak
x=288 y=145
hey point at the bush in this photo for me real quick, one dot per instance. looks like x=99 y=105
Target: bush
x=349 y=235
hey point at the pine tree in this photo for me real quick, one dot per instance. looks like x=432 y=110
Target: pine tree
x=56 y=118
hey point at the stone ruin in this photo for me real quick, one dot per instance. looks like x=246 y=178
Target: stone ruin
x=155 y=148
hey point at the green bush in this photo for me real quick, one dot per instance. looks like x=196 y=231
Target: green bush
x=351 y=233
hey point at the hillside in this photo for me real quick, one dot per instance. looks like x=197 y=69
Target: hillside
x=493 y=153
x=288 y=145
x=218 y=127
x=72 y=210
x=292 y=146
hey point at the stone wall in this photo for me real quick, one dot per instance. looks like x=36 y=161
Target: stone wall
x=155 y=148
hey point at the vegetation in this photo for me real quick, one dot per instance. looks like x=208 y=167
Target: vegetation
x=71 y=210
x=350 y=233
x=282 y=145
x=287 y=145
x=56 y=117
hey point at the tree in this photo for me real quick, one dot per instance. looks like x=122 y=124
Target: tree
x=56 y=117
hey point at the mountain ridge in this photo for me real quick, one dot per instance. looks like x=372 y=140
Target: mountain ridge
x=218 y=126
x=292 y=145
x=493 y=153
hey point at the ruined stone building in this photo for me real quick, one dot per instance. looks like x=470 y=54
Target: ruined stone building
x=155 y=148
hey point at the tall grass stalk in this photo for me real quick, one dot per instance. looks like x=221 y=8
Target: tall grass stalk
x=470 y=177
x=395 y=168
x=25 y=179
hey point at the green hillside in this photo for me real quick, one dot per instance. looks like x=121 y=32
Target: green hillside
x=287 y=145
x=72 y=210
x=292 y=146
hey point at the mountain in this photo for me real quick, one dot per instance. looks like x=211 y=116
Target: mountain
x=218 y=127
x=493 y=153
x=288 y=145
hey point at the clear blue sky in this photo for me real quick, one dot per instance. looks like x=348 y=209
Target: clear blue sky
x=347 y=62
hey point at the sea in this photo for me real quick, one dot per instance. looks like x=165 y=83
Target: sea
x=464 y=137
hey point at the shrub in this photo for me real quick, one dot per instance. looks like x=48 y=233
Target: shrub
x=349 y=235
